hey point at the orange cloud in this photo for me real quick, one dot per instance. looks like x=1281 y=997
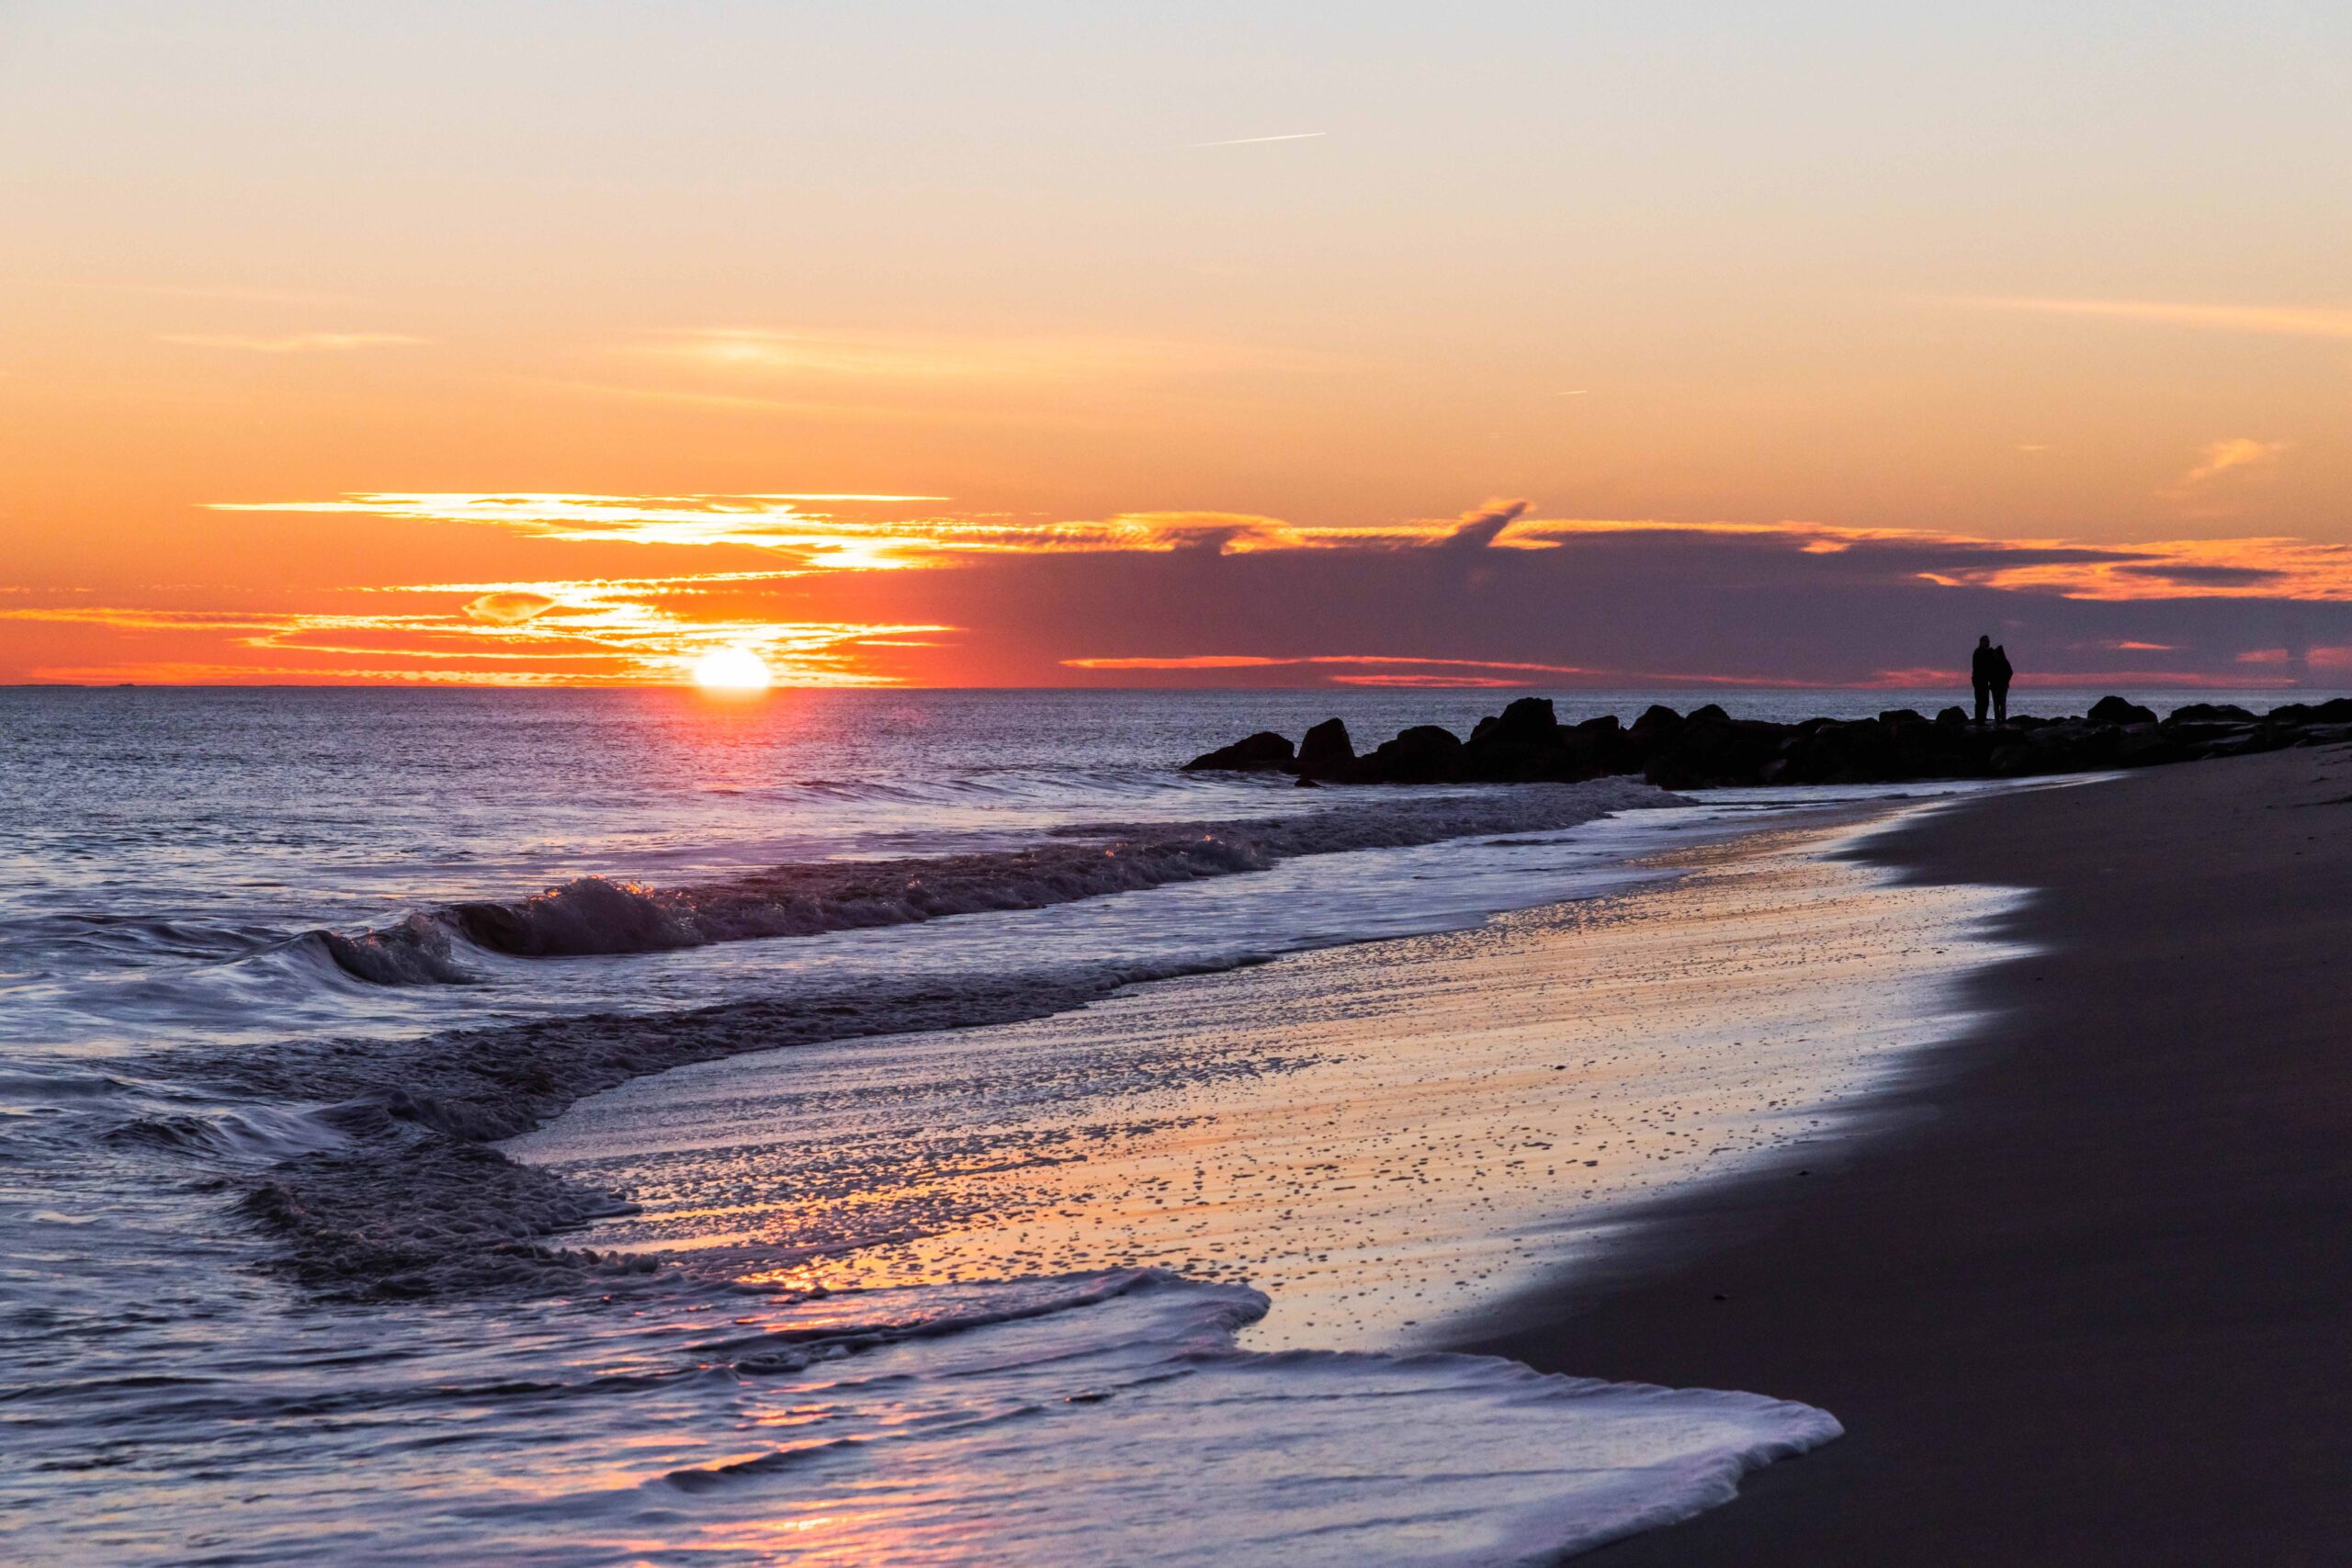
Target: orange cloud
x=2279 y=321
x=628 y=631
x=507 y=609
x=868 y=588
x=2238 y=453
x=813 y=354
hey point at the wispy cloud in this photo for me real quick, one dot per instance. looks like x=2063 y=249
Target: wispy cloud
x=820 y=540
x=809 y=532
x=506 y=608
x=1372 y=668
x=1218 y=597
x=585 y=632
x=2238 y=453
x=1256 y=140
x=932 y=358
x=2279 y=321
x=293 y=342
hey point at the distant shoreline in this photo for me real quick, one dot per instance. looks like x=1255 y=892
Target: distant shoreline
x=1940 y=692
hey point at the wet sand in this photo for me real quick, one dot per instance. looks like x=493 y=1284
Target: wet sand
x=2084 y=1293
x=1376 y=1136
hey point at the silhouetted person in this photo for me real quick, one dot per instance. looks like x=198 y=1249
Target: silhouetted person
x=1988 y=671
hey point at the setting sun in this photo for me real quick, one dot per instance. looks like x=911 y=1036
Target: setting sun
x=731 y=670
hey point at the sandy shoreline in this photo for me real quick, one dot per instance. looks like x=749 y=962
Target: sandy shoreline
x=1371 y=1133
x=2089 y=1298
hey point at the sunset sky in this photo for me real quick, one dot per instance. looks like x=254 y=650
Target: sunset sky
x=1040 y=343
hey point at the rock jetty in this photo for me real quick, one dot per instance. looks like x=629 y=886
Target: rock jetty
x=1527 y=743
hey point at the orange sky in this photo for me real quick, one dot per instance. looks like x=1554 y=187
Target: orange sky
x=1099 y=344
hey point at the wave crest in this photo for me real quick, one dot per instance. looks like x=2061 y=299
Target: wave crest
x=594 y=915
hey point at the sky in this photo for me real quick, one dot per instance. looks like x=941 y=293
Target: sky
x=1036 y=344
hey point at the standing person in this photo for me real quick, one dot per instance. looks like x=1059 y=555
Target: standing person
x=1987 y=668
x=2001 y=673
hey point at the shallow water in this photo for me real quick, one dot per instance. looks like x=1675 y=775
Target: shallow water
x=1043 y=1227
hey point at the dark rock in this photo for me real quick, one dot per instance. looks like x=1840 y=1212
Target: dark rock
x=1525 y=744
x=1511 y=761
x=1327 y=752
x=1423 y=754
x=1530 y=721
x=1710 y=752
x=2210 y=713
x=1597 y=746
x=1866 y=752
x=2116 y=710
x=1263 y=752
x=2142 y=745
x=1709 y=748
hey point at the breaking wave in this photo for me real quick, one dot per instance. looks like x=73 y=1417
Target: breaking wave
x=598 y=916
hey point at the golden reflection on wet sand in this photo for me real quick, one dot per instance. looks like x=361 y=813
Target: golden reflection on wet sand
x=1378 y=1137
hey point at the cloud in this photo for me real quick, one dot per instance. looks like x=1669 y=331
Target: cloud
x=867 y=591
x=1255 y=141
x=2181 y=575
x=821 y=540
x=2240 y=453
x=1371 y=666
x=625 y=631
x=810 y=354
x=801 y=540
x=294 y=342
x=2265 y=319
x=507 y=609
x=1485 y=525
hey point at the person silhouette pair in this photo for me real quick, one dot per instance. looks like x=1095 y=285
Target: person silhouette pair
x=1988 y=671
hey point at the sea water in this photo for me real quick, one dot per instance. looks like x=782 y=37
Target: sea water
x=279 y=967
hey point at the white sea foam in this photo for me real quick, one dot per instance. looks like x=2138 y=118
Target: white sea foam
x=1078 y=1419
x=594 y=915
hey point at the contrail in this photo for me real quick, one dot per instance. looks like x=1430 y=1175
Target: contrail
x=1250 y=140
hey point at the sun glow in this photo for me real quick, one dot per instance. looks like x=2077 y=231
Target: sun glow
x=731 y=670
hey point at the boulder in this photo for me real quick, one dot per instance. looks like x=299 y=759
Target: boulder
x=1264 y=752
x=1865 y=751
x=1530 y=721
x=1952 y=717
x=1326 y=753
x=1709 y=752
x=2116 y=710
x=2210 y=713
x=1423 y=754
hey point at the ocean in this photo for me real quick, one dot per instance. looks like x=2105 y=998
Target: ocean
x=630 y=1126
